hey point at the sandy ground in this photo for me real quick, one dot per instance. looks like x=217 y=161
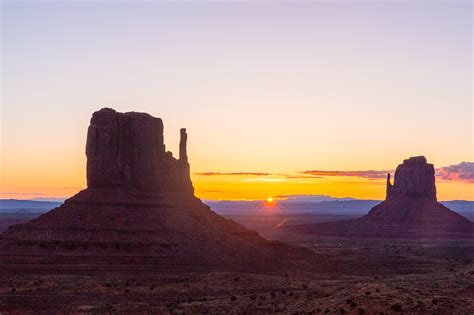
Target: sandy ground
x=381 y=277
x=372 y=277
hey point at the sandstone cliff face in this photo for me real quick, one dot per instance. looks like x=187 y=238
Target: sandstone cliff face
x=127 y=150
x=410 y=210
x=411 y=200
x=414 y=178
x=139 y=203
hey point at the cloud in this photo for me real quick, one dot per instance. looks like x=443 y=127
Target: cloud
x=463 y=172
x=234 y=174
x=299 y=176
x=370 y=174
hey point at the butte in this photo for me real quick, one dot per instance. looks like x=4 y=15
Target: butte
x=137 y=214
x=409 y=211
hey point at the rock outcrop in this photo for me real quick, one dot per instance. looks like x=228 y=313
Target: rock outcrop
x=127 y=150
x=410 y=210
x=139 y=203
x=414 y=178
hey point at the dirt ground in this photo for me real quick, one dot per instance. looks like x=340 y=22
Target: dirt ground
x=374 y=277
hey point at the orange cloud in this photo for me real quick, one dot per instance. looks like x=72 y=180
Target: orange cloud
x=370 y=174
x=463 y=172
x=233 y=174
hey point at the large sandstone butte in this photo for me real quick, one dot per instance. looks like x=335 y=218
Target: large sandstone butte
x=410 y=210
x=127 y=150
x=138 y=213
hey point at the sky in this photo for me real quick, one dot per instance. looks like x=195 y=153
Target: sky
x=262 y=87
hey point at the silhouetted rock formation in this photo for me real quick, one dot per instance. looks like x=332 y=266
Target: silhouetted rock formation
x=127 y=150
x=414 y=178
x=140 y=202
x=410 y=210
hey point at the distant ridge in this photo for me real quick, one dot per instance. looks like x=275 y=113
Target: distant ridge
x=238 y=207
x=33 y=206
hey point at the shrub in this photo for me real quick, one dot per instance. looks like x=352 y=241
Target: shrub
x=396 y=307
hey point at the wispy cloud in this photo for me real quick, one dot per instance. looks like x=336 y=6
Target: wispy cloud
x=299 y=176
x=370 y=174
x=234 y=174
x=460 y=172
x=463 y=172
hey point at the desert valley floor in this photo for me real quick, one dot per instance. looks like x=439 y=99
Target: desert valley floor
x=353 y=277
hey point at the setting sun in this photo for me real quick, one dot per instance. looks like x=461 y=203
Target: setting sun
x=270 y=199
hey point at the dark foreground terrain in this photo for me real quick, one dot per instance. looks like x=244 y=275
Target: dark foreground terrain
x=352 y=276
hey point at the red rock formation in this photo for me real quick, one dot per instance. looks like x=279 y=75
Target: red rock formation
x=127 y=150
x=414 y=178
x=139 y=201
x=410 y=210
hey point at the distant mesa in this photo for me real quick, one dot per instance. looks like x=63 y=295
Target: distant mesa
x=411 y=200
x=414 y=178
x=138 y=213
x=410 y=210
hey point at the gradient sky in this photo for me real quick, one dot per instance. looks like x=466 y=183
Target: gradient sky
x=261 y=87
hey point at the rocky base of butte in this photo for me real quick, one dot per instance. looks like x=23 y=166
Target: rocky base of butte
x=138 y=212
x=410 y=210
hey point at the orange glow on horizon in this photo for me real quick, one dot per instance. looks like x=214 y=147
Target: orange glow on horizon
x=20 y=183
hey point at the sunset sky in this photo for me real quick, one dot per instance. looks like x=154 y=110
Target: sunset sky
x=272 y=94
